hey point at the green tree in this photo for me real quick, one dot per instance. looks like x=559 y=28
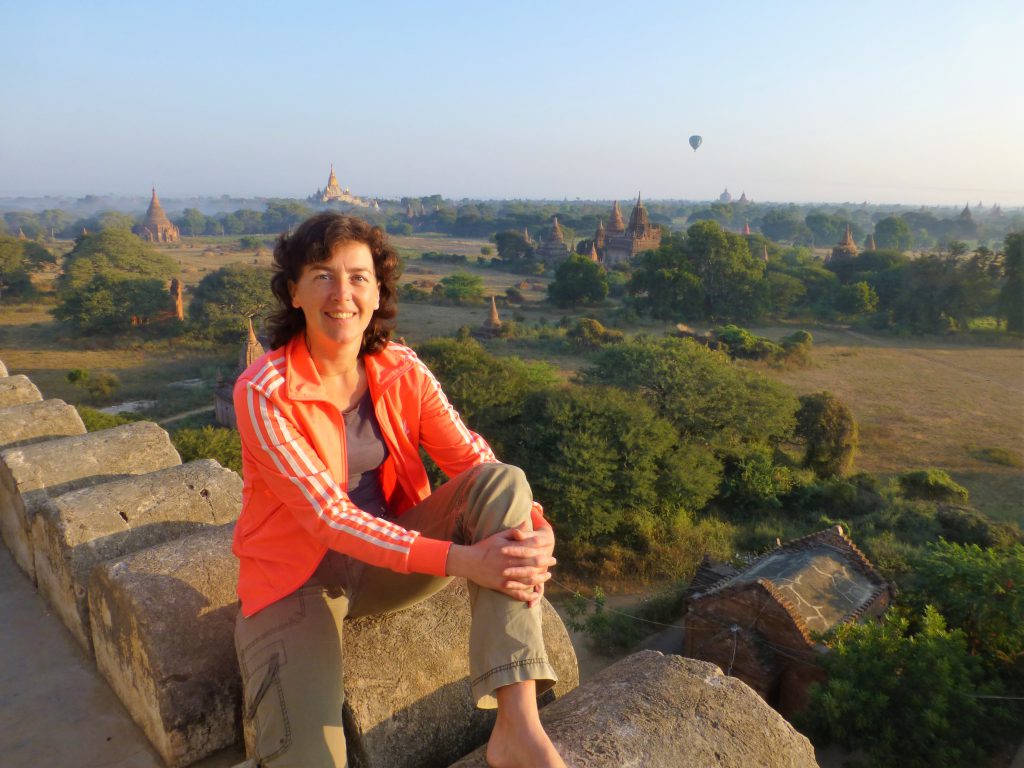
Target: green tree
x=18 y=260
x=193 y=221
x=904 y=698
x=512 y=246
x=100 y=387
x=730 y=277
x=980 y=591
x=701 y=392
x=111 y=304
x=785 y=224
x=893 y=232
x=115 y=220
x=578 y=280
x=463 y=288
x=664 y=284
x=283 y=215
x=114 y=253
x=112 y=281
x=829 y=431
x=1011 y=295
x=857 y=299
x=488 y=391
x=596 y=456
x=226 y=297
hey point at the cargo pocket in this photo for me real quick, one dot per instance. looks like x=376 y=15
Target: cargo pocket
x=268 y=732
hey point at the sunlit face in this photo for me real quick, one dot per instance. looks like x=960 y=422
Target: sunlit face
x=338 y=298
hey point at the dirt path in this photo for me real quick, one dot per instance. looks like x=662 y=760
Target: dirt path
x=185 y=414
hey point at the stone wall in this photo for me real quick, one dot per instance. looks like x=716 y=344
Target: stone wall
x=132 y=549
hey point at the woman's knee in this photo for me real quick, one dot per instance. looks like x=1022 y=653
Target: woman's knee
x=505 y=476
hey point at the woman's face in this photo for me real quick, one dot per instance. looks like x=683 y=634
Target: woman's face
x=338 y=298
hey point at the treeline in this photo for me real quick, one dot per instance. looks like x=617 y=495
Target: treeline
x=818 y=225
x=710 y=274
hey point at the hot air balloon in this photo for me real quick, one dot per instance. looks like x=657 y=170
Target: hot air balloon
x=695 y=141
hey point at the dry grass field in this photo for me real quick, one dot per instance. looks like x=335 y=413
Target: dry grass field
x=926 y=403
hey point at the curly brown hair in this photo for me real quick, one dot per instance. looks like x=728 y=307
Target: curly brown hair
x=313 y=242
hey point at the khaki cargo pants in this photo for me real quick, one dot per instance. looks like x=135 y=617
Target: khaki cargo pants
x=290 y=652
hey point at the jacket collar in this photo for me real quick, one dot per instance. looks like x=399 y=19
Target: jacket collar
x=304 y=382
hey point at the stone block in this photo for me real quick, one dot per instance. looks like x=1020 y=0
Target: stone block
x=652 y=710
x=75 y=531
x=32 y=473
x=15 y=390
x=162 y=622
x=407 y=689
x=35 y=422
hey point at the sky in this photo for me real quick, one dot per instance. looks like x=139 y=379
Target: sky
x=884 y=101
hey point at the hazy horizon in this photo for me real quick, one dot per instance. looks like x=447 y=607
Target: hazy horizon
x=892 y=105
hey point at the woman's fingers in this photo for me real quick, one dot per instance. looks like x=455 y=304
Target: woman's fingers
x=536 y=565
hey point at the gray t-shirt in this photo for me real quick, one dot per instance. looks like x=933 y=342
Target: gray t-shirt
x=366 y=452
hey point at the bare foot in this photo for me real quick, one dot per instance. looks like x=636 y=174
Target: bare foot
x=518 y=745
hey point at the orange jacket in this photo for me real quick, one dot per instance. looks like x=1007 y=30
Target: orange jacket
x=294 y=466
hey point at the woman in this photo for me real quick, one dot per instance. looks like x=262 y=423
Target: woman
x=338 y=518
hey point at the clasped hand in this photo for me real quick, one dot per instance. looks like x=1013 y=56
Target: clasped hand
x=514 y=561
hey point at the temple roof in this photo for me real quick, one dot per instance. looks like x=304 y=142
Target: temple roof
x=639 y=222
x=332 y=180
x=824 y=576
x=847 y=240
x=616 y=224
x=155 y=215
x=556 y=231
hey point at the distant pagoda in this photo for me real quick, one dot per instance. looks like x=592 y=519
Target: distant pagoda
x=844 y=250
x=156 y=227
x=638 y=236
x=553 y=248
x=333 y=193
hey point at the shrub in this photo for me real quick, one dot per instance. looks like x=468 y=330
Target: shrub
x=1002 y=456
x=590 y=334
x=95 y=420
x=933 y=485
x=964 y=525
x=830 y=434
x=223 y=445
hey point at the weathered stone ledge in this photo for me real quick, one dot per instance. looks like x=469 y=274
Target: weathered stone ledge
x=664 y=711
x=35 y=422
x=74 y=532
x=30 y=474
x=15 y=390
